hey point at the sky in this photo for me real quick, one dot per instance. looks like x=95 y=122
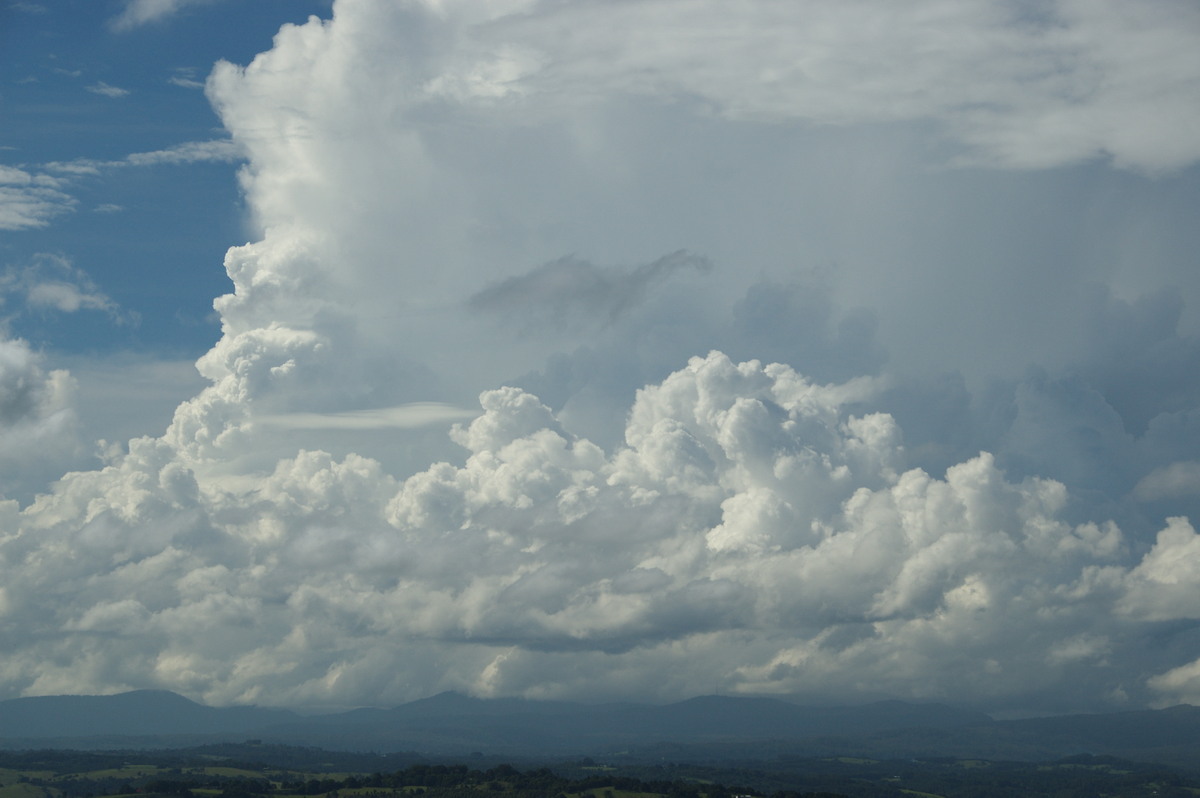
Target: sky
x=355 y=351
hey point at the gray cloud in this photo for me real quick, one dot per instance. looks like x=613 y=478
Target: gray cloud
x=572 y=295
x=797 y=323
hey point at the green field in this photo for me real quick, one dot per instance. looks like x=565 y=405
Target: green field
x=256 y=771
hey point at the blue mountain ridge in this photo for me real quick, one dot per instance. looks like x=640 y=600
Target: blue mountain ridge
x=452 y=724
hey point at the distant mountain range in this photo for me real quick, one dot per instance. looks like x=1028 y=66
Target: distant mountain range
x=708 y=728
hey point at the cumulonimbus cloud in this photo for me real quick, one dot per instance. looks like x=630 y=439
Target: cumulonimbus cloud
x=751 y=527
x=1018 y=88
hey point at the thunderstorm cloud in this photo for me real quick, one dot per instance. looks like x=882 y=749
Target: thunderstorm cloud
x=632 y=350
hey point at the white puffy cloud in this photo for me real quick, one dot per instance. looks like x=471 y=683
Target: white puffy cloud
x=749 y=511
x=1179 y=685
x=38 y=421
x=1164 y=584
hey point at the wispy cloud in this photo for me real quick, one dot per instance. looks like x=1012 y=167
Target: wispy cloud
x=29 y=200
x=407 y=416
x=52 y=283
x=185 y=77
x=106 y=90
x=213 y=151
x=141 y=12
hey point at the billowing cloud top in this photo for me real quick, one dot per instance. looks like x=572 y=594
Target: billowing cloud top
x=956 y=464
x=751 y=533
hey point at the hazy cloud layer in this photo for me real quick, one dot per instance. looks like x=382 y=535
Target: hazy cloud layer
x=921 y=430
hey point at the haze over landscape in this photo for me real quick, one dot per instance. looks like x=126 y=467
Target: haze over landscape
x=595 y=351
